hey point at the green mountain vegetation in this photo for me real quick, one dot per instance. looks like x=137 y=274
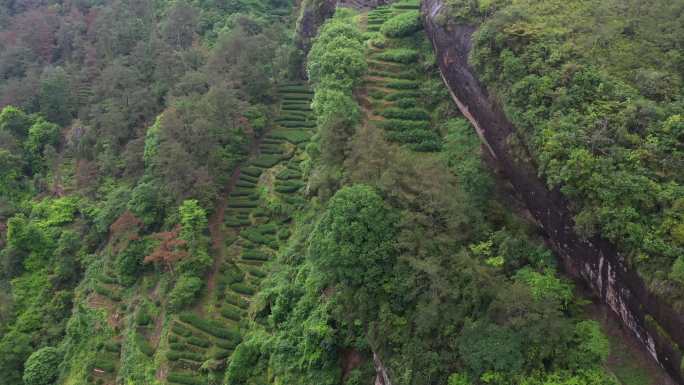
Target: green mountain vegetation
x=178 y=206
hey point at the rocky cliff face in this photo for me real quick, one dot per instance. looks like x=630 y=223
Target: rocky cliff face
x=595 y=261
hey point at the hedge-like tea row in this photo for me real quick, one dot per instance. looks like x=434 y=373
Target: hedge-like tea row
x=241 y=288
x=105 y=364
x=267 y=228
x=181 y=330
x=399 y=55
x=303 y=107
x=255 y=236
x=237 y=301
x=242 y=204
x=199 y=341
x=175 y=355
x=295 y=124
x=402 y=95
x=231 y=313
x=254 y=271
x=406 y=103
x=406 y=113
x=143 y=345
x=406 y=6
x=248 y=178
x=403 y=125
x=255 y=255
x=185 y=379
x=411 y=136
x=402 y=84
x=114 y=295
x=297 y=97
x=406 y=75
x=228 y=345
x=430 y=145
x=237 y=222
x=251 y=171
x=292 y=136
x=289 y=174
x=296 y=88
x=402 y=25
x=289 y=186
x=211 y=327
x=267 y=160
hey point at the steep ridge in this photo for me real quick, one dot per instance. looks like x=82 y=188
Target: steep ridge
x=595 y=261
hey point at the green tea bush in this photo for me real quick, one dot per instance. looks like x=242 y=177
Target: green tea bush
x=143 y=345
x=304 y=107
x=402 y=84
x=410 y=136
x=376 y=94
x=267 y=228
x=231 y=313
x=236 y=300
x=249 y=178
x=294 y=88
x=211 y=327
x=404 y=24
x=292 y=136
x=255 y=236
x=220 y=354
x=403 y=125
x=394 y=96
x=288 y=174
x=256 y=272
x=289 y=187
x=406 y=113
x=181 y=330
x=399 y=55
x=199 y=341
x=244 y=191
x=237 y=222
x=242 y=203
x=293 y=124
x=406 y=103
x=185 y=379
x=255 y=255
x=406 y=6
x=241 y=288
x=224 y=344
x=185 y=291
x=108 y=365
x=267 y=161
x=428 y=145
x=112 y=294
x=297 y=97
x=251 y=171
x=112 y=346
x=244 y=183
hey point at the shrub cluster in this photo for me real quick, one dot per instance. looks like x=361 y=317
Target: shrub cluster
x=211 y=327
x=399 y=55
x=404 y=24
x=406 y=113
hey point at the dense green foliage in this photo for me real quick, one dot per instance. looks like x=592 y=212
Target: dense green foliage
x=596 y=94
x=175 y=208
x=41 y=367
x=404 y=24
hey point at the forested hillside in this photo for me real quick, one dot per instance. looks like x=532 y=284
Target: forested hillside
x=253 y=192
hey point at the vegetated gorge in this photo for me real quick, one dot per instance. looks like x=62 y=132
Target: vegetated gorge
x=246 y=192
